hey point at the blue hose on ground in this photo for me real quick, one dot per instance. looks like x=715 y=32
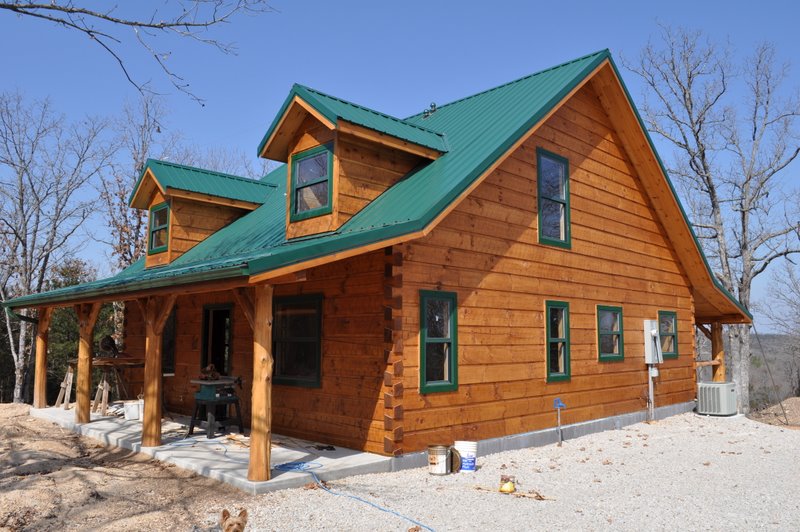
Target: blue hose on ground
x=308 y=467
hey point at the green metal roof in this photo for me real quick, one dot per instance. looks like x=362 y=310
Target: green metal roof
x=334 y=109
x=479 y=129
x=191 y=179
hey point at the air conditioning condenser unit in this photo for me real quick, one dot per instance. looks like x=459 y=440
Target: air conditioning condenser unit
x=716 y=398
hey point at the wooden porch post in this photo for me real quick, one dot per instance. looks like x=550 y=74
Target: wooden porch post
x=261 y=404
x=155 y=311
x=40 y=375
x=717 y=353
x=87 y=317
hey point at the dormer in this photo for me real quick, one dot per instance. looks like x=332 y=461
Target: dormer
x=186 y=205
x=340 y=156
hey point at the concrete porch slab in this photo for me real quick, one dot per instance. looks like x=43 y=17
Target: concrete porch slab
x=221 y=458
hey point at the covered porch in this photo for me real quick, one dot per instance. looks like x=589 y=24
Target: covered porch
x=222 y=458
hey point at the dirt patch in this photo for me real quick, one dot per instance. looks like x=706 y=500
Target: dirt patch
x=54 y=479
x=777 y=415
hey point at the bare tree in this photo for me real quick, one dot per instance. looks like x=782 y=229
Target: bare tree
x=45 y=166
x=728 y=160
x=190 y=19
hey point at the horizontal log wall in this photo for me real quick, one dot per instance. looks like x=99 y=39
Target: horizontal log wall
x=348 y=408
x=193 y=221
x=487 y=251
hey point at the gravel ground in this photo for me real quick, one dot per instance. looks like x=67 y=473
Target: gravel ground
x=685 y=472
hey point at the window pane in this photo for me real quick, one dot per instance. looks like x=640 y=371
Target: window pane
x=557 y=357
x=312 y=197
x=297 y=360
x=159 y=239
x=437 y=317
x=609 y=344
x=667 y=324
x=552 y=219
x=552 y=175
x=312 y=169
x=557 y=323
x=668 y=344
x=159 y=218
x=293 y=321
x=609 y=321
x=437 y=362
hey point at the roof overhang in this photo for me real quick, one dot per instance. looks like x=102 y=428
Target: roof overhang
x=143 y=191
x=712 y=301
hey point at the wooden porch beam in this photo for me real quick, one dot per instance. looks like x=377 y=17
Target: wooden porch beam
x=261 y=404
x=703 y=329
x=155 y=312
x=87 y=317
x=244 y=298
x=717 y=353
x=40 y=375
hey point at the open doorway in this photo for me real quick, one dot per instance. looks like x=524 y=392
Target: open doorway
x=217 y=338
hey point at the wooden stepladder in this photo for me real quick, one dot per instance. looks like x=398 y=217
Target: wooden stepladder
x=66 y=389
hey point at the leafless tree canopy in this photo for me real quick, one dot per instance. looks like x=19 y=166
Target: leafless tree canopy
x=45 y=166
x=188 y=19
x=734 y=134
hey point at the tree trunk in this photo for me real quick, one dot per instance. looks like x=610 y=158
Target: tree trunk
x=739 y=342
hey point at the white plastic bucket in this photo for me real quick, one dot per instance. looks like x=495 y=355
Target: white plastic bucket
x=132 y=410
x=469 y=455
x=437 y=460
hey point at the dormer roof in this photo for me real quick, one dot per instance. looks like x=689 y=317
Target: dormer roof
x=173 y=179
x=338 y=114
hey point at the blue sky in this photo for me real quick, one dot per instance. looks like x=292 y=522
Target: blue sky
x=397 y=57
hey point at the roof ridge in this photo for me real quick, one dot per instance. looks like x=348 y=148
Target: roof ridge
x=207 y=171
x=523 y=78
x=373 y=111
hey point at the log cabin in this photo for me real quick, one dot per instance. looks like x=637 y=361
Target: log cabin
x=403 y=282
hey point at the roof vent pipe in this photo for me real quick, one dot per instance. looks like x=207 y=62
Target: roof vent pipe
x=428 y=112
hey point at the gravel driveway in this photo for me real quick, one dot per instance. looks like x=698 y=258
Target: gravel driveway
x=685 y=472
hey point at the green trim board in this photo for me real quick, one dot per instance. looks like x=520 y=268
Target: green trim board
x=154 y=228
x=297 y=353
x=552 y=196
x=308 y=156
x=558 y=339
x=668 y=332
x=610 y=333
x=438 y=341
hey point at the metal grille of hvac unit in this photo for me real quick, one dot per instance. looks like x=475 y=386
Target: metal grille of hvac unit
x=716 y=398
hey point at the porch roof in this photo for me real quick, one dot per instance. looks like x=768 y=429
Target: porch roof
x=480 y=129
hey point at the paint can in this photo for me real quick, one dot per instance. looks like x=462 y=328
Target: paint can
x=438 y=463
x=469 y=455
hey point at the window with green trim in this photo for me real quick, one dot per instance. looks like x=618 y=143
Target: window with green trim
x=311 y=183
x=610 y=343
x=297 y=340
x=553 y=192
x=159 y=228
x=557 y=340
x=668 y=331
x=438 y=341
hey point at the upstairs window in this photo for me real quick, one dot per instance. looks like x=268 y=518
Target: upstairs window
x=668 y=331
x=610 y=343
x=553 y=187
x=557 y=341
x=438 y=342
x=311 y=183
x=159 y=228
x=297 y=340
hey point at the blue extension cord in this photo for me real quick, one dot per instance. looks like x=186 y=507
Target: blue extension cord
x=308 y=467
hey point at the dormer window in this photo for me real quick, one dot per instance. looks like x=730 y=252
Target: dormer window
x=311 y=182
x=159 y=228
